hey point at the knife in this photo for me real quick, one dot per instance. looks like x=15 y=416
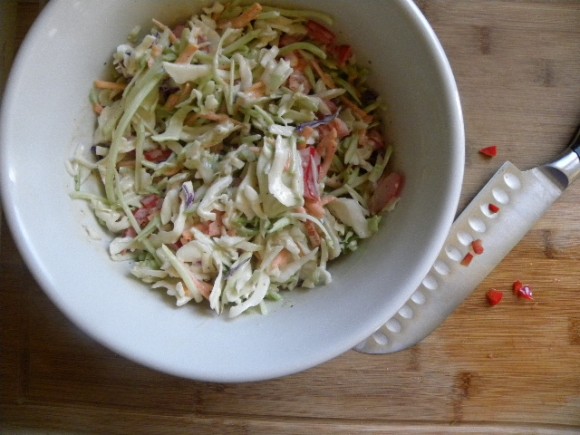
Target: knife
x=500 y=215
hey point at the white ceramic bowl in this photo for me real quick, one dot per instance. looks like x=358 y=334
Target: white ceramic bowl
x=46 y=114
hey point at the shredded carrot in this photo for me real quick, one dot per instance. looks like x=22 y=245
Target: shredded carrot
x=204 y=288
x=326 y=79
x=172 y=101
x=177 y=97
x=297 y=61
x=305 y=134
x=257 y=90
x=314 y=207
x=301 y=63
x=185 y=91
x=245 y=18
x=217 y=117
x=358 y=112
x=328 y=145
x=114 y=86
x=163 y=27
x=282 y=259
x=312 y=232
x=187 y=54
x=191 y=119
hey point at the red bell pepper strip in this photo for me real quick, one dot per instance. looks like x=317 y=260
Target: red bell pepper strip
x=319 y=33
x=157 y=155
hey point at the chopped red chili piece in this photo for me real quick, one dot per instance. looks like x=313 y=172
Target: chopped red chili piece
x=526 y=293
x=493 y=208
x=467 y=259
x=494 y=296
x=523 y=291
x=477 y=246
x=489 y=151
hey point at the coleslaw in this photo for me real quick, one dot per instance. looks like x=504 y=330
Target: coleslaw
x=238 y=154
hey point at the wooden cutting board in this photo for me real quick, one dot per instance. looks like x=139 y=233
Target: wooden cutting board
x=514 y=368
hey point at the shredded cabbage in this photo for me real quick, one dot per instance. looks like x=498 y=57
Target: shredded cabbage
x=237 y=153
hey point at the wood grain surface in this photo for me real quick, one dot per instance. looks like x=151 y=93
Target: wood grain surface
x=514 y=368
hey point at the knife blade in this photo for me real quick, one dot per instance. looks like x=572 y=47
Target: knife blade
x=518 y=200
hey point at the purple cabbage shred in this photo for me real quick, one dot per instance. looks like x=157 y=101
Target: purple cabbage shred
x=317 y=123
x=188 y=196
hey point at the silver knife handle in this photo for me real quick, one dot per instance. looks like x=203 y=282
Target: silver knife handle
x=566 y=168
x=450 y=280
x=575 y=143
